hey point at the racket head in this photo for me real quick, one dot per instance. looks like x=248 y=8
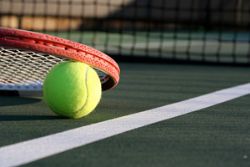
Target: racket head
x=26 y=57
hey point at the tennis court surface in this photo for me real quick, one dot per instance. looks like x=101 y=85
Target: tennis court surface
x=182 y=101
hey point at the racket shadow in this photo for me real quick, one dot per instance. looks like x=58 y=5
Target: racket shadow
x=29 y=117
x=15 y=100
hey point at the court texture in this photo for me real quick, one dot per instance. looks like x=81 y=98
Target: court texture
x=184 y=94
x=204 y=121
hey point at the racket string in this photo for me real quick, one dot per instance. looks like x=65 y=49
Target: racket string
x=26 y=70
x=22 y=69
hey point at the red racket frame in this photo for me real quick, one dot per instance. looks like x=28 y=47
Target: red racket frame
x=48 y=44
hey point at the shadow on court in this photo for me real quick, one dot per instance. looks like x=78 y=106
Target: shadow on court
x=29 y=117
x=15 y=100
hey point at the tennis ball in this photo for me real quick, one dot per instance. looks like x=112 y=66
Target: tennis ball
x=72 y=89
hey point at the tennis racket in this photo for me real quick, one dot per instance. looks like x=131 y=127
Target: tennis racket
x=26 y=57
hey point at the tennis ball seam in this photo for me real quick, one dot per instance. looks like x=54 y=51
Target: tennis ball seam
x=79 y=98
x=86 y=88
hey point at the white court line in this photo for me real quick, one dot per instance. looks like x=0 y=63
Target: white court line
x=32 y=150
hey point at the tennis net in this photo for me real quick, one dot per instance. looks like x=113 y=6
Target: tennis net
x=203 y=31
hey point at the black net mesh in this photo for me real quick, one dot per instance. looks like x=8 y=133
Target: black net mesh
x=201 y=31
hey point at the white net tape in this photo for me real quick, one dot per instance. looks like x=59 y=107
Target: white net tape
x=26 y=70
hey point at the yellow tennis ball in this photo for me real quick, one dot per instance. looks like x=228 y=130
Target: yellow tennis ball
x=72 y=89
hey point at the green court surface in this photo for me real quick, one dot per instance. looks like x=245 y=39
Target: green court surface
x=215 y=136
